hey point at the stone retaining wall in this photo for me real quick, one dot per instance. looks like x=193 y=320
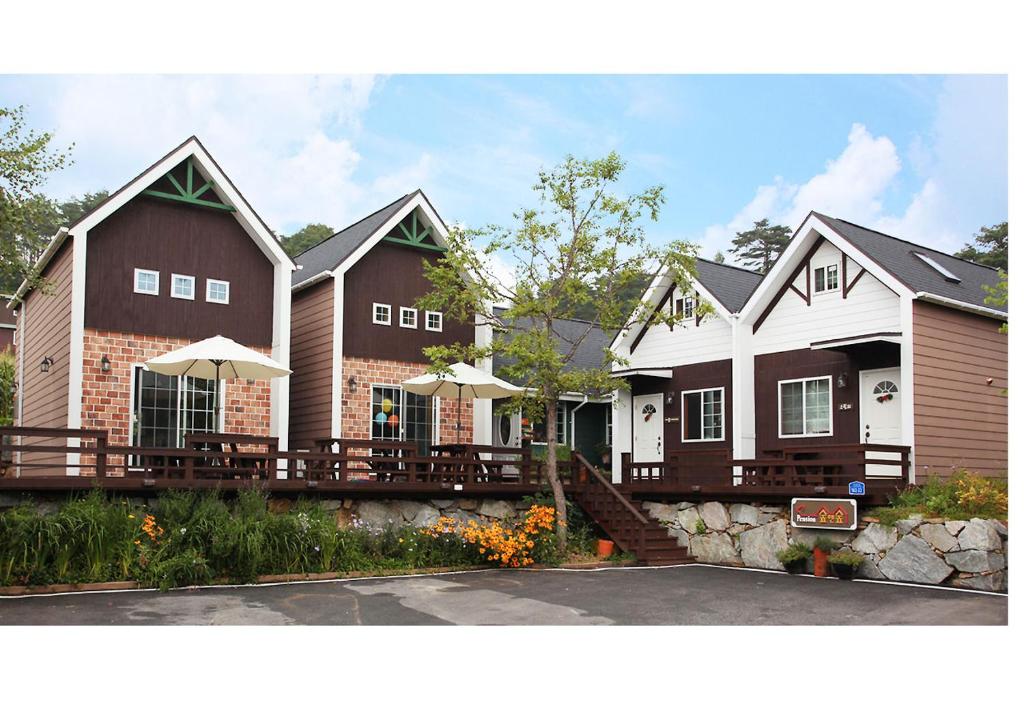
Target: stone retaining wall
x=969 y=554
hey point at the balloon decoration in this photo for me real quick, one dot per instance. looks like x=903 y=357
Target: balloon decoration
x=386 y=405
x=393 y=421
x=380 y=418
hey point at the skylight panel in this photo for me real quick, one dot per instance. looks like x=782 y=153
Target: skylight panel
x=934 y=265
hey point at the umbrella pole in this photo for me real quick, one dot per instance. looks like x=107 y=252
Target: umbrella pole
x=458 y=419
x=216 y=401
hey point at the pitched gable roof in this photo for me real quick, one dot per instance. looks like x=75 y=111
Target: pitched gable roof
x=331 y=252
x=589 y=355
x=897 y=257
x=730 y=285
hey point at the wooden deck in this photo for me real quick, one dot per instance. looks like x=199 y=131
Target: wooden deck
x=46 y=459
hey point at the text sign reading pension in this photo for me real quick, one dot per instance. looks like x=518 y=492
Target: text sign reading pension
x=824 y=514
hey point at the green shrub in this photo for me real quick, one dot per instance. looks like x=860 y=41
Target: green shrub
x=846 y=557
x=825 y=543
x=184 y=569
x=964 y=495
x=793 y=553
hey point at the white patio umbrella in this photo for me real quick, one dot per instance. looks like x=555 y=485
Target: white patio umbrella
x=214 y=358
x=462 y=379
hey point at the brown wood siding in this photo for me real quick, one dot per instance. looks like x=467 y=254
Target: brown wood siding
x=392 y=274
x=771 y=368
x=46 y=331
x=698 y=376
x=173 y=237
x=312 y=352
x=959 y=419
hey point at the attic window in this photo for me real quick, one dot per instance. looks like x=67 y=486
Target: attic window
x=930 y=262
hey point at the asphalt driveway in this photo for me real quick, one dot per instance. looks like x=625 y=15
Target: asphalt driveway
x=689 y=595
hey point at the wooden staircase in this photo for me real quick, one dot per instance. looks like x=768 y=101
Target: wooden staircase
x=623 y=520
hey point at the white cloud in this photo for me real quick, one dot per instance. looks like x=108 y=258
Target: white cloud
x=960 y=165
x=289 y=142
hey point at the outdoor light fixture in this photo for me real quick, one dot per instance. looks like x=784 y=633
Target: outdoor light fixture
x=44 y=366
x=668 y=398
x=841 y=380
x=351 y=383
x=105 y=364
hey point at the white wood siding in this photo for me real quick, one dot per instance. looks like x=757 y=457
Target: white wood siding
x=870 y=307
x=686 y=344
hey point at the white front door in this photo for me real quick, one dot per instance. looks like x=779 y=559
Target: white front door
x=648 y=428
x=881 y=415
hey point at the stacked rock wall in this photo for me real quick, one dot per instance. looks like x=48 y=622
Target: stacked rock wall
x=962 y=553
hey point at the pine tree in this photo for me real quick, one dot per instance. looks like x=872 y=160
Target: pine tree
x=761 y=246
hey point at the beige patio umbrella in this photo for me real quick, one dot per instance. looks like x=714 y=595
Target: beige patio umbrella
x=461 y=379
x=214 y=358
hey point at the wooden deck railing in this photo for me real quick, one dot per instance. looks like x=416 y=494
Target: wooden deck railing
x=818 y=469
x=47 y=458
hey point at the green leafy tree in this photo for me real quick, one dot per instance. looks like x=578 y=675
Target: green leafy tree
x=583 y=245
x=761 y=246
x=27 y=158
x=6 y=388
x=75 y=207
x=999 y=295
x=720 y=257
x=989 y=247
x=307 y=237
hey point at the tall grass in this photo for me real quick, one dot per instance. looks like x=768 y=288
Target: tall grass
x=199 y=535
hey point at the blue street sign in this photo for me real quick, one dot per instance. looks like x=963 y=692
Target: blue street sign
x=856 y=488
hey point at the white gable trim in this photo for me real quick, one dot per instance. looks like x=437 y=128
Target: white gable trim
x=798 y=247
x=418 y=200
x=658 y=287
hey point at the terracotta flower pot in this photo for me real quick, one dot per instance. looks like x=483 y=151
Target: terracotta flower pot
x=604 y=548
x=820 y=563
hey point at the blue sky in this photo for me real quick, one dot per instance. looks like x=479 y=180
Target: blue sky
x=922 y=157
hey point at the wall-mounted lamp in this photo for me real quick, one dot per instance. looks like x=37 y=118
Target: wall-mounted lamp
x=351 y=383
x=46 y=364
x=842 y=380
x=668 y=398
x=104 y=364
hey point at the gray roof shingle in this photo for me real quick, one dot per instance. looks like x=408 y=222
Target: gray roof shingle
x=330 y=253
x=590 y=353
x=732 y=286
x=897 y=257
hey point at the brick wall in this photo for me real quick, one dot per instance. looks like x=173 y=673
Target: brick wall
x=106 y=397
x=355 y=407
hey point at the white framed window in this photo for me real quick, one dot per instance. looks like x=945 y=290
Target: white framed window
x=381 y=314
x=433 y=321
x=685 y=307
x=147 y=282
x=826 y=279
x=703 y=414
x=183 y=287
x=218 y=291
x=805 y=407
x=608 y=425
x=407 y=317
x=562 y=428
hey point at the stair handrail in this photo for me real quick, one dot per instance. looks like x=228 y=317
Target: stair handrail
x=611 y=488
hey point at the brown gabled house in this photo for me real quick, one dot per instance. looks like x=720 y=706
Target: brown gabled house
x=357 y=333
x=174 y=256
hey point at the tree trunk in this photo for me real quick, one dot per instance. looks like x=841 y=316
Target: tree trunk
x=561 y=515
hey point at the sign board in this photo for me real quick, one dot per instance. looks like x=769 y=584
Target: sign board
x=856 y=488
x=823 y=513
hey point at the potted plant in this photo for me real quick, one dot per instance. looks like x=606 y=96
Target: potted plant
x=604 y=451
x=822 y=547
x=794 y=558
x=845 y=563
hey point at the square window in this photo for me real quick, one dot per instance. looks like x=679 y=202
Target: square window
x=381 y=314
x=805 y=407
x=147 y=282
x=703 y=415
x=218 y=291
x=826 y=278
x=433 y=321
x=407 y=317
x=183 y=287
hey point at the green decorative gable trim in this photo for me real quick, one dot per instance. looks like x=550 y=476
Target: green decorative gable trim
x=186 y=193
x=410 y=232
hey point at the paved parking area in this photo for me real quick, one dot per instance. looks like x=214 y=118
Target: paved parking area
x=688 y=595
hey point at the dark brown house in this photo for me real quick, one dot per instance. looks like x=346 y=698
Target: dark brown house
x=357 y=333
x=175 y=256
x=854 y=338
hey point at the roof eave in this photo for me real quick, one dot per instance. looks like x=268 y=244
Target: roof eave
x=961 y=305
x=51 y=249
